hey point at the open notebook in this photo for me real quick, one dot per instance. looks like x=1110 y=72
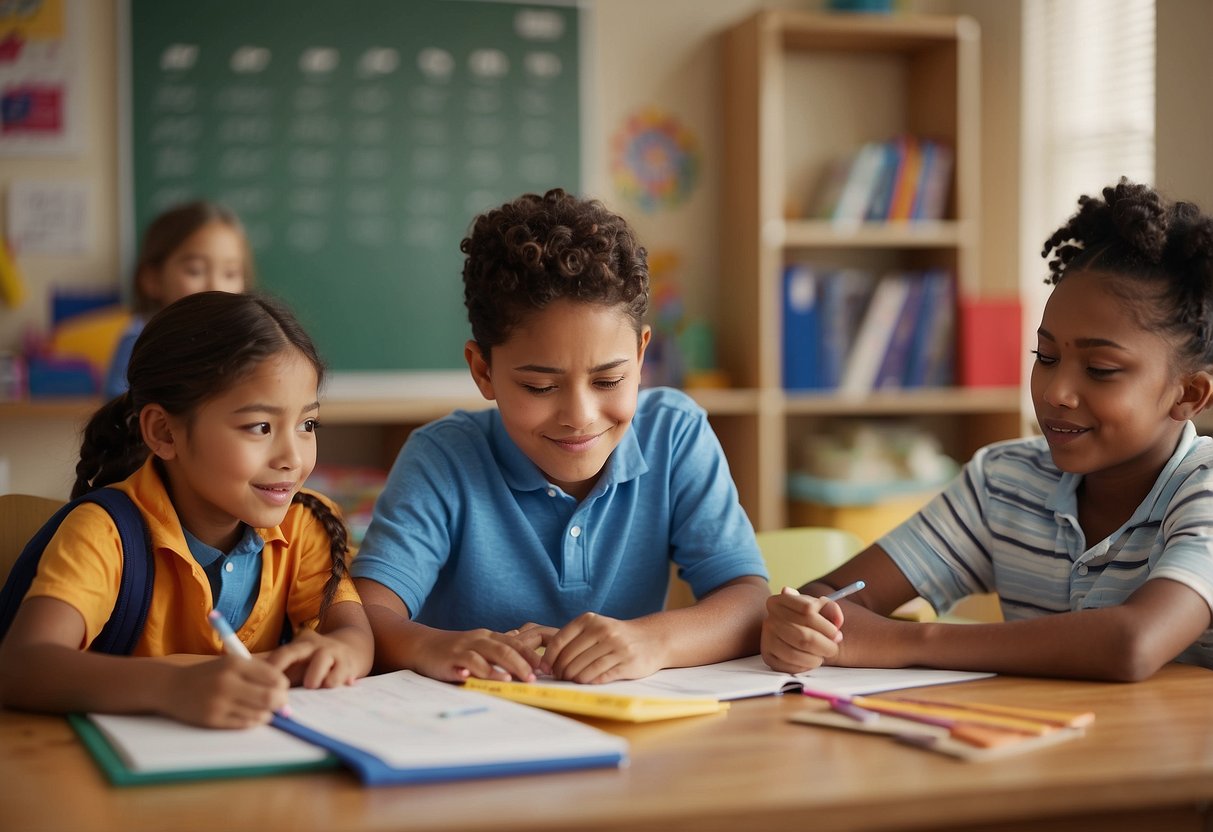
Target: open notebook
x=687 y=691
x=395 y=728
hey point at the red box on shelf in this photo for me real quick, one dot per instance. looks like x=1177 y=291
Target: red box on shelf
x=990 y=342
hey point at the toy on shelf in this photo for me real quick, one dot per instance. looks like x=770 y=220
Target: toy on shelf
x=682 y=351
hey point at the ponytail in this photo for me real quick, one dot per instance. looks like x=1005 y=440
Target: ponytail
x=112 y=447
x=338 y=544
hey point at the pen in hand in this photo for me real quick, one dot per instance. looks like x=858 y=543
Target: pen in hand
x=227 y=635
x=234 y=645
x=849 y=589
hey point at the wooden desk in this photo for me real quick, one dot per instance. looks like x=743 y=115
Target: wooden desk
x=1147 y=763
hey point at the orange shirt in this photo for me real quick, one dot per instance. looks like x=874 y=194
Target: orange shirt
x=82 y=566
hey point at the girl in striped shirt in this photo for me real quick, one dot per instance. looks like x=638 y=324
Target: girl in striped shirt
x=1096 y=535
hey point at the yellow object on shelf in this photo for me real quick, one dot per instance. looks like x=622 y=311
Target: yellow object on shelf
x=12 y=287
x=93 y=336
x=867 y=522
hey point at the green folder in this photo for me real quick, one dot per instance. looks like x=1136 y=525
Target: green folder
x=119 y=774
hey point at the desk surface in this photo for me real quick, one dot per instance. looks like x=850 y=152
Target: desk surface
x=1148 y=761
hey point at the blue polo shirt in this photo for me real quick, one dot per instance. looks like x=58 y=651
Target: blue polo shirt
x=470 y=533
x=235 y=576
x=1009 y=524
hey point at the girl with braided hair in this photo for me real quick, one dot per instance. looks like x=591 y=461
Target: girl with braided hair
x=212 y=443
x=1097 y=535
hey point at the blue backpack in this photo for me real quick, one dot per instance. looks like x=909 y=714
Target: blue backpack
x=121 y=633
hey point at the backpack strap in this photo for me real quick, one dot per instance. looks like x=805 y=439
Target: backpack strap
x=121 y=633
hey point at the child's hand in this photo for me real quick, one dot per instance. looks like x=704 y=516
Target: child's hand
x=225 y=692
x=452 y=656
x=595 y=649
x=800 y=632
x=315 y=661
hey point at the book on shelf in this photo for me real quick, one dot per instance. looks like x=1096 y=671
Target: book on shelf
x=390 y=729
x=844 y=329
x=882 y=195
x=875 y=333
x=902 y=203
x=801 y=337
x=862 y=182
x=843 y=298
x=903 y=179
x=700 y=686
x=910 y=322
x=932 y=352
x=990 y=339
x=931 y=198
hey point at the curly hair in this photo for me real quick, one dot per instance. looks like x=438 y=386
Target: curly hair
x=534 y=250
x=1150 y=250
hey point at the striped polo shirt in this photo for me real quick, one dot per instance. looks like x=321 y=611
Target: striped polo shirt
x=1009 y=524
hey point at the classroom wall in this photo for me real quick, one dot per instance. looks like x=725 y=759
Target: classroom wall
x=1183 y=109
x=644 y=54
x=96 y=165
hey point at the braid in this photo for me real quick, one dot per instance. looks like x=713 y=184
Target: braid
x=112 y=446
x=338 y=543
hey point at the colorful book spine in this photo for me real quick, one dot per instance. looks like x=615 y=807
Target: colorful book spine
x=907 y=181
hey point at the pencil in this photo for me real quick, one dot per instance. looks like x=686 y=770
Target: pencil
x=227 y=635
x=849 y=589
x=234 y=645
x=1065 y=719
x=939 y=714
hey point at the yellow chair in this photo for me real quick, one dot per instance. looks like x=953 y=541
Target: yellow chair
x=793 y=557
x=20 y=516
x=798 y=555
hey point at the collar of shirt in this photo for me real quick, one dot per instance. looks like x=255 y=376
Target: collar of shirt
x=250 y=543
x=147 y=488
x=1064 y=501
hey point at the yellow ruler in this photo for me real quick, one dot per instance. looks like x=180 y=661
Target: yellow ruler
x=588 y=702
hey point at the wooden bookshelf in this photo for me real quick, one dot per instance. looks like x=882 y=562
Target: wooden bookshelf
x=799 y=90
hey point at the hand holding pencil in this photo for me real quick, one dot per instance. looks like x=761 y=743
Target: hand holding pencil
x=802 y=632
x=231 y=691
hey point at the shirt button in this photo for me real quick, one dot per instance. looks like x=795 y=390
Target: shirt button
x=551 y=492
x=1082 y=569
x=227 y=567
x=575 y=531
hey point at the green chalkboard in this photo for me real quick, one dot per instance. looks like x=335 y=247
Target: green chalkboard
x=356 y=139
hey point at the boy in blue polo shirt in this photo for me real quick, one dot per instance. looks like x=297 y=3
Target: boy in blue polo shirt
x=551 y=521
